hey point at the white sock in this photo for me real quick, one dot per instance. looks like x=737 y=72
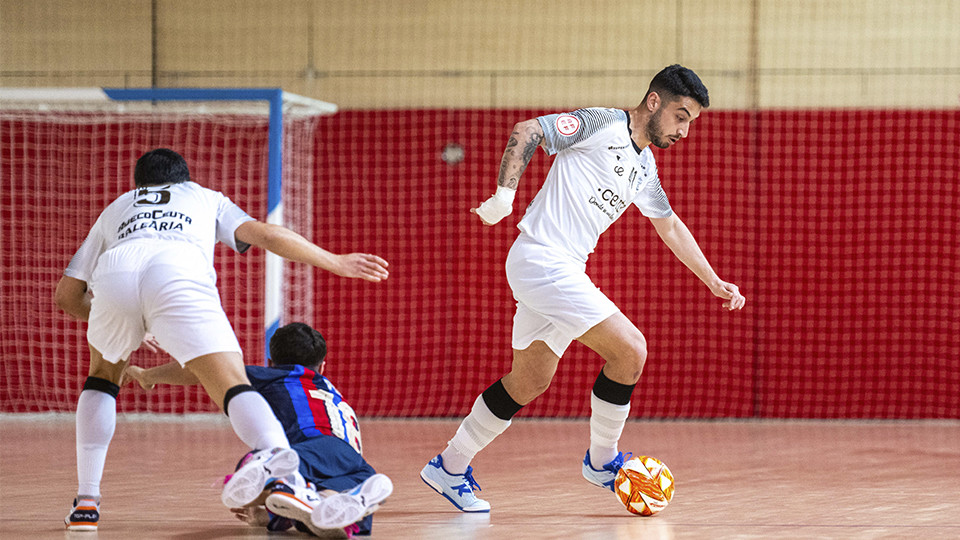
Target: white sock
x=606 y=425
x=96 y=422
x=254 y=422
x=477 y=430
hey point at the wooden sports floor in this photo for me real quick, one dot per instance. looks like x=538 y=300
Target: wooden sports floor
x=735 y=479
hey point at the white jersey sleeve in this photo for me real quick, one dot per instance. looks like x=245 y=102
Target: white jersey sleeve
x=562 y=131
x=85 y=259
x=229 y=217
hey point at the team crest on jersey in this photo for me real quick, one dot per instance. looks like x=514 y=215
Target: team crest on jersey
x=567 y=124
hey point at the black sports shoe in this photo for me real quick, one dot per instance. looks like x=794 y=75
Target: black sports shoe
x=84 y=516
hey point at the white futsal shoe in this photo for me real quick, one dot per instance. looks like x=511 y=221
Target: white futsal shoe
x=255 y=472
x=604 y=477
x=295 y=502
x=456 y=488
x=348 y=507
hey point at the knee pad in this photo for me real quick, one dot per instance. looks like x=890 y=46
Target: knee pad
x=234 y=392
x=499 y=401
x=101 y=385
x=612 y=391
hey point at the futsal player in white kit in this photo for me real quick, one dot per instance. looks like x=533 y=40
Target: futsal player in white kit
x=147 y=266
x=603 y=167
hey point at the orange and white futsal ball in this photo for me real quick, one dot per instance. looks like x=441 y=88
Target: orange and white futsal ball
x=644 y=485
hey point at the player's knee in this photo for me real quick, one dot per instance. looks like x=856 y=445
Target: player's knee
x=107 y=371
x=537 y=383
x=638 y=352
x=541 y=386
x=526 y=385
x=630 y=360
x=636 y=368
x=639 y=356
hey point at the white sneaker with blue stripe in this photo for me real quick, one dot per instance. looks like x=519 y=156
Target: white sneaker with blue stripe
x=457 y=488
x=604 y=477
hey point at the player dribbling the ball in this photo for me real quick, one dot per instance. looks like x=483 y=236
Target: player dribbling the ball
x=603 y=166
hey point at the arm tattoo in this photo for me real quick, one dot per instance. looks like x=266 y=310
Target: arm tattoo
x=501 y=179
x=531 y=147
x=528 y=149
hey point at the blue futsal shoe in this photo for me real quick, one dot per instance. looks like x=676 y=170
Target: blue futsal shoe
x=457 y=488
x=604 y=477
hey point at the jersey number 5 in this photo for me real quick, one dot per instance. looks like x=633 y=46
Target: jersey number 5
x=152 y=197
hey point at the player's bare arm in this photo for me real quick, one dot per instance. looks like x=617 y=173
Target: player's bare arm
x=523 y=142
x=291 y=246
x=73 y=297
x=681 y=242
x=169 y=373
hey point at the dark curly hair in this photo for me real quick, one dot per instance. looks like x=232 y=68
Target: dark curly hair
x=677 y=81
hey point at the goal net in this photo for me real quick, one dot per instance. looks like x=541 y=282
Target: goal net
x=66 y=154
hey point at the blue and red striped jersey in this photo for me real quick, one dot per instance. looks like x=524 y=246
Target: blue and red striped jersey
x=306 y=404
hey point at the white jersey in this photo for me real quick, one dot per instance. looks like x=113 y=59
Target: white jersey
x=184 y=212
x=599 y=171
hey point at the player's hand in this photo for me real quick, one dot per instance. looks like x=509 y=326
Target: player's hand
x=255 y=516
x=151 y=344
x=497 y=207
x=485 y=222
x=362 y=266
x=731 y=293
x=135 y=373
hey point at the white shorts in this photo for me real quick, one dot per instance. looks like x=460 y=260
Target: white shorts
x=166 y=289
x=556 y=301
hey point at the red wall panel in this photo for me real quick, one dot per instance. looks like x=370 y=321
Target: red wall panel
x=842 y=228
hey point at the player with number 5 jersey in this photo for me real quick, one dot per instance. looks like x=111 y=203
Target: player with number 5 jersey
x=146 y=266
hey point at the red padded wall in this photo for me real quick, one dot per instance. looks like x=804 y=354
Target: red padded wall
x=842 y=228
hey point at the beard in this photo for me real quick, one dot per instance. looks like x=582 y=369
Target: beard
x=655 y=132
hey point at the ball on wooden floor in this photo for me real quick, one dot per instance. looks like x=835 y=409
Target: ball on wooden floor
x=644 y=485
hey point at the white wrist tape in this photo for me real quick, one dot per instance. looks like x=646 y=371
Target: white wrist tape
x=498 y=206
